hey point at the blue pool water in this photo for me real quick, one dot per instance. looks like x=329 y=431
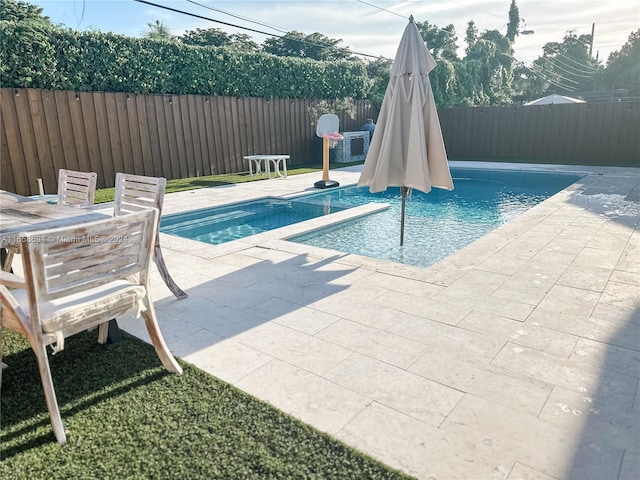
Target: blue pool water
x=440 y=222
x=222 y=224
x=436 y=224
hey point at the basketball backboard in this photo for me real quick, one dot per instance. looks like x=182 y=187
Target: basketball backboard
x=327 y=123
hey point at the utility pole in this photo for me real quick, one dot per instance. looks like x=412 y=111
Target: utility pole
x=593 y=29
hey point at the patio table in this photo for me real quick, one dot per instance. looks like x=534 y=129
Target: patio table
x=23 y=214
x=278 y=162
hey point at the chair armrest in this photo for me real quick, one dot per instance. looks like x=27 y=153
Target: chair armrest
x=11 y=280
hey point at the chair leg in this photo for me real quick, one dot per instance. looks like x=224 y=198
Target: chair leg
x=6 y=255
x=49 y=392
x=164 y=272
x=166 y=357
x=103 y=332
x=109 y=332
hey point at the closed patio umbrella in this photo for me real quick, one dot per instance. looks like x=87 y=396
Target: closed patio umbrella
x=407 y=149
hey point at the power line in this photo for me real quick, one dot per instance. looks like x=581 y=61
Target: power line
x=573 y=60
x=556 y=67
x=576 y=72
x=591 y=70
x=383 y=9
x=444 y=30
x=609 y=45
x=563 y=78
x=324 y=45
x=614 y=33
x=240 y=17
x=548 y=80
x=559 y=78
x=553 y=82
x=555 y=73
x=537 y=73
x=560 y=54
x=202 y=17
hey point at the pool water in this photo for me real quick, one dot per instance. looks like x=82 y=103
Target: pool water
x=436 y=224
x=217 y=225
x=440 y=222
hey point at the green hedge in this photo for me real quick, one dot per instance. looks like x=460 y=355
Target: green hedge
x=35 y=55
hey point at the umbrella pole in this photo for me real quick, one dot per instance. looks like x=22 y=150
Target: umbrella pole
x=403 y=190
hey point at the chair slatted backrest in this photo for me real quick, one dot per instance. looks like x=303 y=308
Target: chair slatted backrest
x=63 y=261
x=76 y=188
x=136 y=192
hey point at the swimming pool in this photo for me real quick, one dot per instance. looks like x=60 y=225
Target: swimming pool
x=437 y=224
x=440 y=222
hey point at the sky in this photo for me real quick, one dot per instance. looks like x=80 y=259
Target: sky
x=372 y=27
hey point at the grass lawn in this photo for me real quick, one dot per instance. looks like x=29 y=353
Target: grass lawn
x=179 y=185
x=128 y=418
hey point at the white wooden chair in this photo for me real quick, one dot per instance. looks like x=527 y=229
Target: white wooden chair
x=137 y=192
x=74 y=188
x=79 y=277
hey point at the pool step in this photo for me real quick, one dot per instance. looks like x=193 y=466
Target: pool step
x=218 y=219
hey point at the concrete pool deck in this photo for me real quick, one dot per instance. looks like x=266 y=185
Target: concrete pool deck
x=517 y=357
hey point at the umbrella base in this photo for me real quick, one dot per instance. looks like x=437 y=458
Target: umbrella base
x=326 y=184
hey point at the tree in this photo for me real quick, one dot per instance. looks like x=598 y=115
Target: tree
x=471 y=35
x=378 y=71
x=242 y=42
x=566 y=65
x=526 y=83
x=315 y=46
x=440 y=41
x=209 y=37
x=158 y=31
x=488 y=69
x=215 y=37
x=623 y=66
x=19 y=11
x=483 y=77
x=513 y=27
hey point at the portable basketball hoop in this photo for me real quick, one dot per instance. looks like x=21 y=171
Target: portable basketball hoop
x=327 y=129
x=333 y=138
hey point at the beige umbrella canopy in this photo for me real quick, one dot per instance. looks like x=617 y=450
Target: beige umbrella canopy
x=407 y=149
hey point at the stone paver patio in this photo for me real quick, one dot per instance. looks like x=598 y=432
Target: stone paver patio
x=517 y=357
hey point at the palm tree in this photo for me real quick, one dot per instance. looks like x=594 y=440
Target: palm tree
x=158 y=31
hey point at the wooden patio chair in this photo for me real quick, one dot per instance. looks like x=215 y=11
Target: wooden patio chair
x=137 y=192
x=75 y=189
x=78 y=277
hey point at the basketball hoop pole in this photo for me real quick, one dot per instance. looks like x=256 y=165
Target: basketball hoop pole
x=325 y=182
x=327 y=128
x=325 y=159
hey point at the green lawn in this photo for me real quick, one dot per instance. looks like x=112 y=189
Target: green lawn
x=106 y=194
x=128 y=419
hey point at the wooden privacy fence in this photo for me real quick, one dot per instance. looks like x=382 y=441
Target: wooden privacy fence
x=171 y=136
x=180 y=136
x=572 y=134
